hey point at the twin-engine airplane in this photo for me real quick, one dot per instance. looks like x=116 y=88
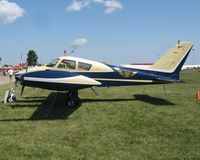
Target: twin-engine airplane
x=72 y=74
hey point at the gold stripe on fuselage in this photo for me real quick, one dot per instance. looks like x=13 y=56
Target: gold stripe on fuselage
x=124 y=80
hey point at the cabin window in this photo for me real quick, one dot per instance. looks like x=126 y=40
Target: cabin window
x=84 y=66
x=67 y=64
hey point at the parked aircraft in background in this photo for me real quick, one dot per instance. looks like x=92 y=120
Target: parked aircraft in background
x=72 y=74
x=138 y=65
x=195 y=67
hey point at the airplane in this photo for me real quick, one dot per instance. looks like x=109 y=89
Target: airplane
x=72 y=74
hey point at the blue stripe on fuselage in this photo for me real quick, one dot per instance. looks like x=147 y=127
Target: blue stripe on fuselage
x=55 y=86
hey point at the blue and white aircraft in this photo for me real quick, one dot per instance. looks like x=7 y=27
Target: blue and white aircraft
x=72 y=74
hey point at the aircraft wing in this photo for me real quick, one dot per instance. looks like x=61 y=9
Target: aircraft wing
x=58 y=80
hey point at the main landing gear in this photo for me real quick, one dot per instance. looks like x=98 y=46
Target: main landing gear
x=72 y=99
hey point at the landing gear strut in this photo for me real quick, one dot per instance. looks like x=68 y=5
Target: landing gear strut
x=72 y=99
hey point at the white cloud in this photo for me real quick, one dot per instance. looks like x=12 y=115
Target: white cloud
x=110 y=5
x=79 y=42
x=77 y=5
x=10 y=12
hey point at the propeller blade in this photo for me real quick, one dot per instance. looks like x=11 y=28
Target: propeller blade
x=22 y=89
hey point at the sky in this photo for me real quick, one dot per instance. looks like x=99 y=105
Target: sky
x=112 y=31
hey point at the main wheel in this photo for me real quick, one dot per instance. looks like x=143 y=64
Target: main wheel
x=72 y=99
x=71 y=104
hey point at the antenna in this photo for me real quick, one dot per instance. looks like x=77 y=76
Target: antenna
x=72 y=51
x=65 y=52
x=77 y=44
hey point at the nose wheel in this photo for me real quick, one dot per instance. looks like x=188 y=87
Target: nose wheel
x=72 y=99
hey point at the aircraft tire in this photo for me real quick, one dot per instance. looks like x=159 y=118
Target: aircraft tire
x=71 y=104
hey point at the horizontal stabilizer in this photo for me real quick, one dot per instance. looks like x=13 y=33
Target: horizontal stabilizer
x=166 y=79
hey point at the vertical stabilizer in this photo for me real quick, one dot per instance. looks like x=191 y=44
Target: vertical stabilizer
x=174 y=59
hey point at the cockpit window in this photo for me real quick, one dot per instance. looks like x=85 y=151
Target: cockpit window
x=67 y=64
x=84 y=66
x=53 y=63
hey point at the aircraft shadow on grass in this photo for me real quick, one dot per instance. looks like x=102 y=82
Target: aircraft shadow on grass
x=137 y=97
x=53 y=107
x=152 y=100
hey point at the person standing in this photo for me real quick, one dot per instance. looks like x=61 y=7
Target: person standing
x=10 y=73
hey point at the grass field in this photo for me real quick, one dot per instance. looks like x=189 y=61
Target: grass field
x=137 y=122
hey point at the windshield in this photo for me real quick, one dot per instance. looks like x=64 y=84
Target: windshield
x=53 y=63
x=67 y=64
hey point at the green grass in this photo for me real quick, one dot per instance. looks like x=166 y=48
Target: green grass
x=137 y=122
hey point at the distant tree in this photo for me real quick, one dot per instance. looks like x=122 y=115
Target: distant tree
x=32 y=58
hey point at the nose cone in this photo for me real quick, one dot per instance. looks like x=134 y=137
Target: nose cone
x=19 y=77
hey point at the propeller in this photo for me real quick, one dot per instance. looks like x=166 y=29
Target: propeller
x=22 y=89
x=22 y=85
x=22 y=82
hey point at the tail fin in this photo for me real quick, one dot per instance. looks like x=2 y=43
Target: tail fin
x=174 y=59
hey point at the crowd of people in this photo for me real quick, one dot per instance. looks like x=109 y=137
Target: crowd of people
x=10 y=73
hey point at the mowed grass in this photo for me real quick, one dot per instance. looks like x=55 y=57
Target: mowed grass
x=137 y=122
